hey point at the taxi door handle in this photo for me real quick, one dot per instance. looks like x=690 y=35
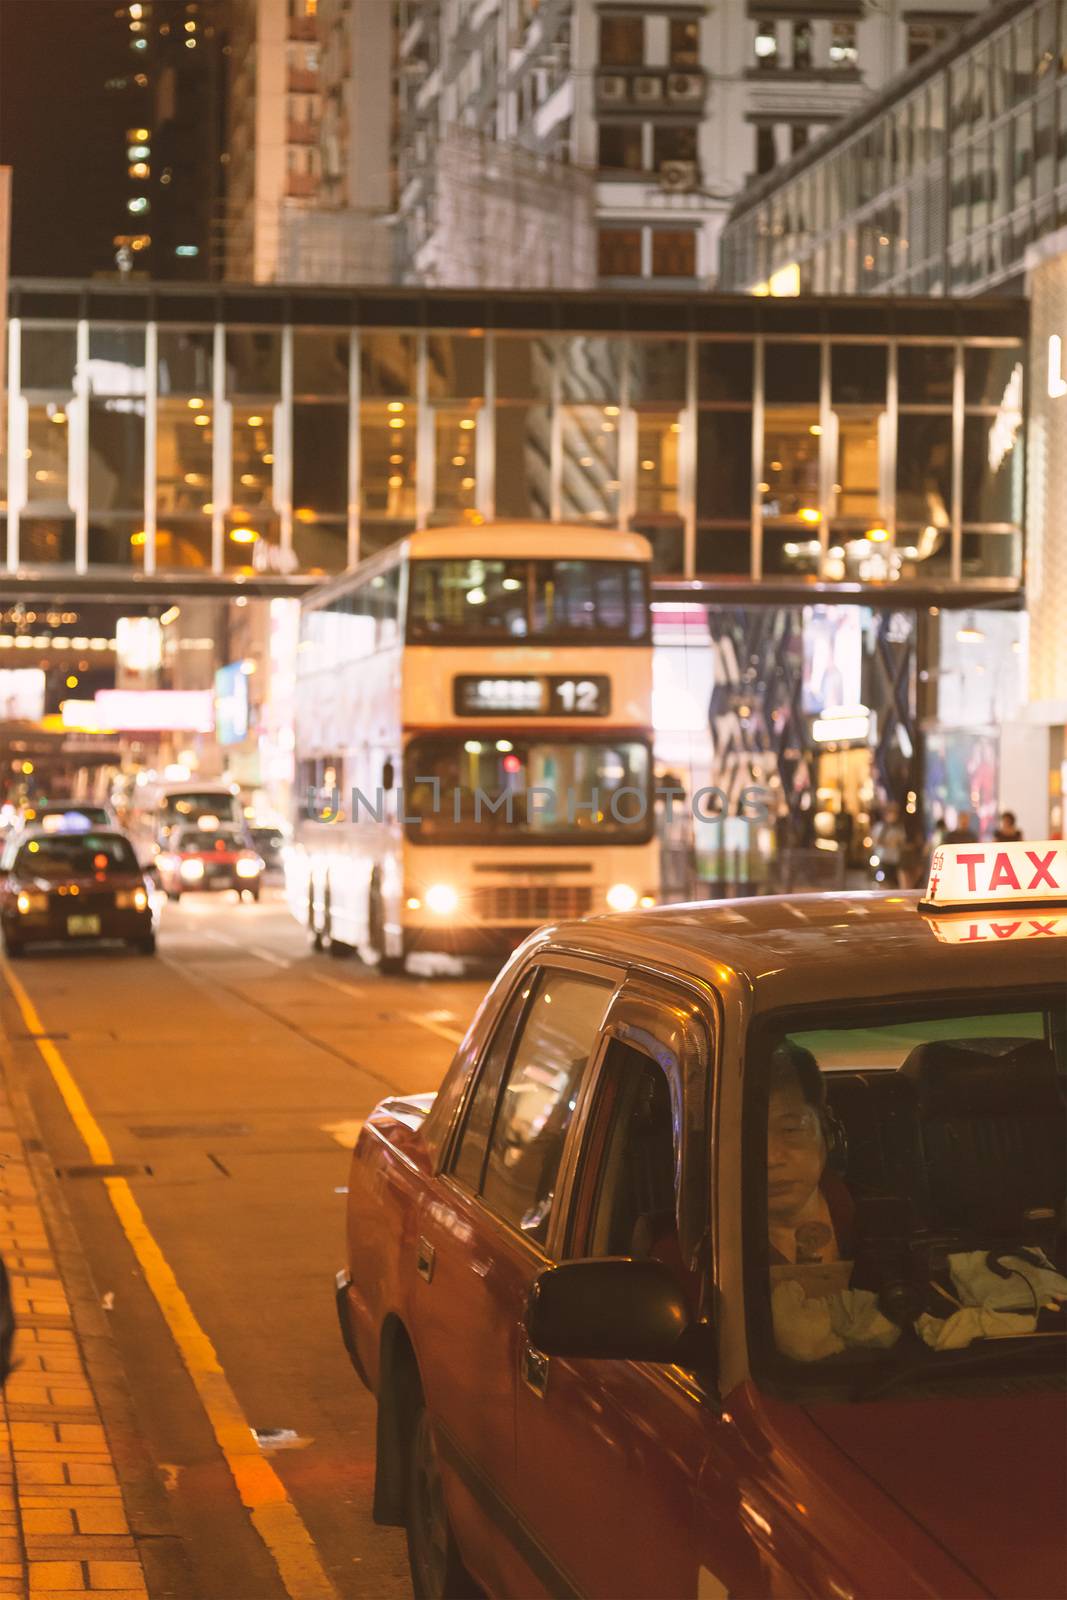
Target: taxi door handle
x=424 y=1259
x=534 y=1370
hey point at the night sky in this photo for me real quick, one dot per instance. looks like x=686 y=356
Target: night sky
x=61 y=131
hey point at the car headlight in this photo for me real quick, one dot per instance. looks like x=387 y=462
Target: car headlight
x=442 y=898
x=31 y=902
x=192 y=869
x=622 y=897
x=248 y=868
x=131 y=899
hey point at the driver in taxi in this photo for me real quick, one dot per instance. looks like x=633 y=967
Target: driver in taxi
x=810 y=1213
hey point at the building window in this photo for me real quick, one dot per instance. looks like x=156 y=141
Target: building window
x=671 y=142
x=622 y=41
x=766 y=155
x=924 y=36
x=619 y=147
x=843 y=52
x=684 y=42
x=798 y=137
x=802 y=47
x=619 y=253
x=674 y=253
x=766 y=45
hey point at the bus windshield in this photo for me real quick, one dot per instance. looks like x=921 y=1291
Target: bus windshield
x=527 y=790
x=496 y=600
x=189 y=807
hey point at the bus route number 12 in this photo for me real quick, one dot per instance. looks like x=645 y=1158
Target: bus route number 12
x=581 y=697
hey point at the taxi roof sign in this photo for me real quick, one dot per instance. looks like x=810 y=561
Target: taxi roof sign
x=966 y=876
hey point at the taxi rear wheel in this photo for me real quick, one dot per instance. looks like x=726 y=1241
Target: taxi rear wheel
x=437 y=1571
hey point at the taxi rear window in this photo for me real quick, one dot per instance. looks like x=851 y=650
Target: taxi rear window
x=905 y=1188
x=64 y=855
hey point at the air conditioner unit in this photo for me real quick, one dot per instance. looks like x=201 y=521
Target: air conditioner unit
x=611 y=88
x=678 y=177
x=687 y=87
x=647 y=89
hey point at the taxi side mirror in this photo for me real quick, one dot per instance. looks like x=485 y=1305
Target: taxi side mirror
x=609 y=1310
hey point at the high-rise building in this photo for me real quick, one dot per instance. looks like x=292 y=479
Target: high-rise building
x=346 y=236
x=674 y=108
x=166 y=96
x=272 y=142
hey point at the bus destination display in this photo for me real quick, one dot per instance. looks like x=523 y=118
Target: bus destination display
x=510 y=695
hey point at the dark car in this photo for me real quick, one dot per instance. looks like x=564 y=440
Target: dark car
x=270 y=842
x=74 y=888
x=210 y=858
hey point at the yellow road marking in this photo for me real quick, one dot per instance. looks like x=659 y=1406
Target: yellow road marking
x=428 y=1022
x=273 y=1514
x=346 y=1133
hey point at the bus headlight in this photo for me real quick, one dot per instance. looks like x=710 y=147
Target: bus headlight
x=192 y=870
x=622 y=897
x=441 y=898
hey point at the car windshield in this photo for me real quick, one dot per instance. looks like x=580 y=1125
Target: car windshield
x=522 y=791
x=486 y=599
x=55 y=819
x=906 y=1174
x=75 y=855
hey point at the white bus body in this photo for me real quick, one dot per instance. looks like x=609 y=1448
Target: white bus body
x=401 y=719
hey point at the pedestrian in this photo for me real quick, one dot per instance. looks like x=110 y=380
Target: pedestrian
x=1008 y=832
x=963 y=832
x=889 y=840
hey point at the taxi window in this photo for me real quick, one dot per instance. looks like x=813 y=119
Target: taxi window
x=909 y=1179
x=627 y=1202
x=538 y=1098
x=473 y=1141
x=60 y=855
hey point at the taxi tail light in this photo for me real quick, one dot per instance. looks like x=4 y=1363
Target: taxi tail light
x=28 y=903
x=131 y=900
x=608 y=1311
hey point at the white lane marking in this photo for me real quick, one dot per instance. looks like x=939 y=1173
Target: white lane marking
x=248 y=949
x=346 y=1133
x=425 y=1020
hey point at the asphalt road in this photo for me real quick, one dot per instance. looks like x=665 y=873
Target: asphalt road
x=231 y=1073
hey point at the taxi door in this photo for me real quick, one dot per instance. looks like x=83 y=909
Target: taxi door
x=482 y=1241
x=612 y=1455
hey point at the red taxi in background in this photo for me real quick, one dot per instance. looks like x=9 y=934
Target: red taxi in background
x=210 y=856
x=74 y=887
x=728 y=1260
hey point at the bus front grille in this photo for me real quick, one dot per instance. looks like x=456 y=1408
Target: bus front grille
x=542 y=902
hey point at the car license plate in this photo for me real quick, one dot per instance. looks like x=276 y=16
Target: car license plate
x=83 y=925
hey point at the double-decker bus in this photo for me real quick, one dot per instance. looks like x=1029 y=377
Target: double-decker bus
x=473 y=740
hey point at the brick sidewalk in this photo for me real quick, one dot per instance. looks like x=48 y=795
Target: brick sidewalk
x=63 y=1528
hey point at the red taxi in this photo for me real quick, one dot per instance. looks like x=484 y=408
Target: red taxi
x=210 y=857
x=729 y=1257
x=74 y=888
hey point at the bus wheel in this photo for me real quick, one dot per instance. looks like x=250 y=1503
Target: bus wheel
x=386 y=964
x=314 y=934
x=334 y=946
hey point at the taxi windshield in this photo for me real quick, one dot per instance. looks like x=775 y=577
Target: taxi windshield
x=66 y=855
x=905 y=1176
